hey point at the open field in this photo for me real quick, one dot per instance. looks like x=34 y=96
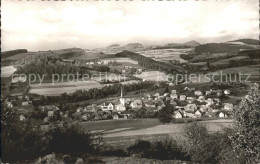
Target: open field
x=123 y=133
x=7 y=71
x=48 y=89
x=153 y=76
x=120 y=60
x=226 y=61
x=166 y=55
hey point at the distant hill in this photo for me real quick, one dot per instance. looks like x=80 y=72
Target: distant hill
x=220 y=47
x=6 y=54
x=189 y=44
x=247 y=41
x=115 y=48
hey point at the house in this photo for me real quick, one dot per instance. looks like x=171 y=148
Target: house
x=219 y=93
x=25 y=103
x=174 y=96
x=177 y=114
x=85 y=117
x=149 y=103
x=227 y=92
x=198 y=114
x=190 y=99
x=182 y=97
x=190 y=107
x=203 y=108
x=228 y=106
x=217 y=100
x=46 y=119
x=201 y=98
x=173 y=92
x=120 y=107
x=50 y=113
x=156 y=94
x=107 y=106
x=90 y=108
x=115 y=117
x=9 y=104
x=198 y=93
x=208 y=93
x=186 y=88
x=21 y=118
x=222 y=115
x=172 y=102
x=171 y=84
x=210 y=101
x=136 y=103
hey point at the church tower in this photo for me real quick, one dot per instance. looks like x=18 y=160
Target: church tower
x=122 y=100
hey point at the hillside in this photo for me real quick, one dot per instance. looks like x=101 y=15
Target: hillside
x=247 y=41
x=116 y=48
x=189 y=44
x=6 y=54
x=150 y=63
x=220 y=48
x=18 y=55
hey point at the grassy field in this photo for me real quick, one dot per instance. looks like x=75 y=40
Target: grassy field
x=7 y=71
x=120 y=60
x=48 y=89
x=122 y=133
x=166 y=55
x=152 y=76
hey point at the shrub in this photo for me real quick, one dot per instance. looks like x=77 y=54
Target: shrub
x=164 y=150
x=72 y=139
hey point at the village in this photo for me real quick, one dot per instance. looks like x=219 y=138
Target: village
x=191 y=103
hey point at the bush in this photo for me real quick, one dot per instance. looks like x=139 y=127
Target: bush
x=207 y=147
x=164 y=150
x=72 y=139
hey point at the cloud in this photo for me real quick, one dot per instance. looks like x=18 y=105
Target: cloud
x=51 y=25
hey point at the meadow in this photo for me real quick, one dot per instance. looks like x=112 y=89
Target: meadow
x=152 y=76
x=166 y=55
x=122 y=133
x=7 y=71
x=49 y=89
x=120 y=60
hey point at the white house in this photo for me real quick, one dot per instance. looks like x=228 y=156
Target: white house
x=201 y=98
x=182 y=97
x=198 y=93
x=136 y=103
x=173 y=92
x=228 y=106
x=50 y=113
x=177 y=114
x=25 y=103
x=203 y=108
x=222 y=115
x=227 y=92
x=22 y=118
x=198 y=114
x=174 y=96
x=107 y=106
x=190 y=107
x=190 y=99
x=208 y=92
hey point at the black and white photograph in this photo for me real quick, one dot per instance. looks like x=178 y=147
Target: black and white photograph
x=130 y=82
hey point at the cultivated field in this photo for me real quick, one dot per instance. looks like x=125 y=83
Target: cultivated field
x=48 y=89
x=166 y=55
x=153 y=76
x=122 y=133
x=120 y=60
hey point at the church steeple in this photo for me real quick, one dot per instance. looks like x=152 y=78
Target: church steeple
x=121 y=92
x=122 y=100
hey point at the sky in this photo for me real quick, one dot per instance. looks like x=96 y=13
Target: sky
x=44 y=25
